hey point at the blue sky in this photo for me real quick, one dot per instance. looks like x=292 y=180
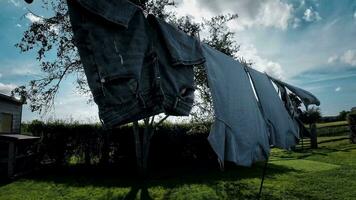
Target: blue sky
x=308 y=43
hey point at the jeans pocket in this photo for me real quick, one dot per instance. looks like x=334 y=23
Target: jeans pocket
x=119 y=90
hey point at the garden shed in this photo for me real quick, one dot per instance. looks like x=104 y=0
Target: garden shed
x=17 y=152
x=10 y=114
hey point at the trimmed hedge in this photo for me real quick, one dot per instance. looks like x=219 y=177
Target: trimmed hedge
x=172 y=145
x=73 y=143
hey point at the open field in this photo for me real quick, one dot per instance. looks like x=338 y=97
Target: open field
x=326 y=173
x=338 y=128
x=320 y=125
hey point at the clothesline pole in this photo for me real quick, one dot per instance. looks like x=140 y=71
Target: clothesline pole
x=262 y=179
x=137 y=138
x=306 y=109
x=148 y=132
x=142 y=144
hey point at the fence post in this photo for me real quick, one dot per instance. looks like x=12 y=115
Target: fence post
x=353 y=134
x=138 y=147
x=351 y=119
x=313 y=136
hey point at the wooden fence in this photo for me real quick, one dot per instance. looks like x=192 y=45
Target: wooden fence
x=334 y=130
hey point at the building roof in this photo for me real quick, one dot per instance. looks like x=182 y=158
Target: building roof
x=10 y=99
x=16 y=137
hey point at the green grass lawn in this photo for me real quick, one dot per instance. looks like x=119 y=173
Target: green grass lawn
x=326 y=173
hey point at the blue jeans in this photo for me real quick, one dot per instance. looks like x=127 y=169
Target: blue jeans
x=136 y=67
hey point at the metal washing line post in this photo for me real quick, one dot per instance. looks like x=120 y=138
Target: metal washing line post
x=143 y=143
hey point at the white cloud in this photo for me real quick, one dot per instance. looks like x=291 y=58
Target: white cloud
x=6 y=88
x=333 y=59
x=33 y=18
x=249 y=52
x=15 y=3
x=296 y=23
x=274 y=14
x=38 y=19
x=302 y=3
x=252 y=13
x=19 y=25
x=193 y=9
x=338 y=89
x=348 y=57
x=26 y=69
x=19 y=68
x=310 y=15
x=71 y=105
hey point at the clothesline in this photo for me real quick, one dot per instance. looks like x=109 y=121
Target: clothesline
x=138 y=66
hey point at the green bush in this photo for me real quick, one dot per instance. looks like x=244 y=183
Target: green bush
x=66 y=143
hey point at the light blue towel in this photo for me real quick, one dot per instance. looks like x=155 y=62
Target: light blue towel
x=239 y=133
x=284 y=133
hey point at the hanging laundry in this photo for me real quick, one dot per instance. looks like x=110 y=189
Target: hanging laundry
x=239 y=133
x=178 y=53
x=284 y=132
x=293 y=111
x=306 y=97
x=135 y=67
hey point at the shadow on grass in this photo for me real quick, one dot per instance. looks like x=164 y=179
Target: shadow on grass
x=145 y=195
x=4 y=181
x=168 y=179
x=323 y=150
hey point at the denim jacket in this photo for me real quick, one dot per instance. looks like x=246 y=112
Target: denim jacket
x=136 y=67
